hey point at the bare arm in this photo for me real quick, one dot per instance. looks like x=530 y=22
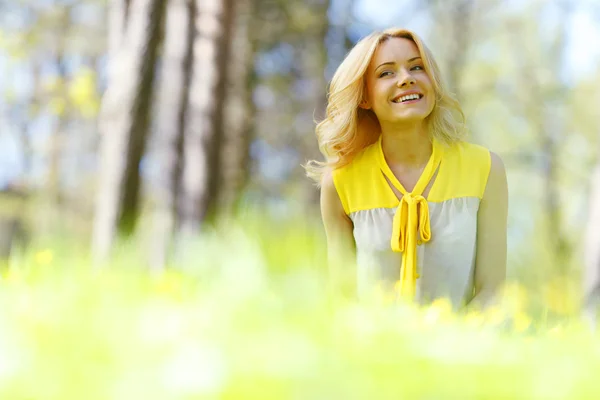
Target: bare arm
x=341 y=253
x=490 y=263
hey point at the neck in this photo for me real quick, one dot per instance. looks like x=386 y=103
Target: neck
x=407 y=145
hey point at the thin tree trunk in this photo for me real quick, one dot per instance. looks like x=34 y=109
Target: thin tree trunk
x=239 y=112
x=57 y=139
x=204 y=123
x=544 y=113
x=172 y=105
x=591 y=273
x=58 y=136
x=551 y=137
x=312 y=58
x=457 y=15
x=118 y=14
x=461 y=38
x=124 y=123
x=338 y=42
x=30 y=113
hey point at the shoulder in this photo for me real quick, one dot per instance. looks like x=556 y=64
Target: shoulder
x=360 y=166
x=361 y=159
x=490 y=167
x=465 y=170
x=332 y=201
x=469 y=151
x=496 y=164
x=497 y=185
x=349 y=180
x=479 y=156
x=470 y=156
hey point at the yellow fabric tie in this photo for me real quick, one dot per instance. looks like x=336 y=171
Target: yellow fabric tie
x=411 y=219
x=411 y=225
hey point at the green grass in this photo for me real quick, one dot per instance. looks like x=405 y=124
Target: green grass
x=244 y=316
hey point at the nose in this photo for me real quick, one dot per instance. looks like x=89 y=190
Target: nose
x=406 y=79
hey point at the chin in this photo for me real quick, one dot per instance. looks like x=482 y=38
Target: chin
x=409 y=117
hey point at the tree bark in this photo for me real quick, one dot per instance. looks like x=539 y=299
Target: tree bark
x=312 y=60
x=118 y=12
x=458 y=18
x=543 y=111
x=551 y=137
x=204 y=123
x=239 y=112
x=58 y=137
x=591 y=256
x=172 y=104
x=124 y=122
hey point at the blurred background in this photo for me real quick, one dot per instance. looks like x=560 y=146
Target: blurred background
x=154 y=117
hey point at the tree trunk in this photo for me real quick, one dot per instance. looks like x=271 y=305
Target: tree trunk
x=312 y=58
x=118 y=12
x=338 y=41
x=173 y=95
x=28 y=114
x=58 y=137
x=455 y=32
x=239 y=112
x=551 y=138
x=461 y=38
x=544 y=111
x=124 y=122
x=591 y=273
x=204 y=123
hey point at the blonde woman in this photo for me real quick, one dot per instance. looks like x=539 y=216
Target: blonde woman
x=407 y=204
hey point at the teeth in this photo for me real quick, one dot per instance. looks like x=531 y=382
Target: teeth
x=407 y=98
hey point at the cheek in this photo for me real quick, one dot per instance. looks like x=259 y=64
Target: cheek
x=377 y=91
x=379 y=97
x=431 y=101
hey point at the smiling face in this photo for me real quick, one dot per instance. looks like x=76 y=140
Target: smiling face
x=398 y=89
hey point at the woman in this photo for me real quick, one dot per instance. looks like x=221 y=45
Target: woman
x=404 y=197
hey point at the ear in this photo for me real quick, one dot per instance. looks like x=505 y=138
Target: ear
x=364 y=104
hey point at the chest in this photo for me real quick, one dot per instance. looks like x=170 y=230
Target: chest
x=408 y=178
x=453 y=226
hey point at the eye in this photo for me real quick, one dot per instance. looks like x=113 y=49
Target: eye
x=384 y=73
x=417 y=68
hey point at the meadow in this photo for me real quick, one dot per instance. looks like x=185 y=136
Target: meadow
x=243 y=314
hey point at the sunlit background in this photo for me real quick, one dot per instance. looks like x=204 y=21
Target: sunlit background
x=169 y=136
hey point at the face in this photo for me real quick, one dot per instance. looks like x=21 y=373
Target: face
x=398 y=88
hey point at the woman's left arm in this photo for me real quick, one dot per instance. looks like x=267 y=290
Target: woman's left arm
x=492 y=218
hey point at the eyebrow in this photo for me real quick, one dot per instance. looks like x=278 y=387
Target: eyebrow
x=393 y=62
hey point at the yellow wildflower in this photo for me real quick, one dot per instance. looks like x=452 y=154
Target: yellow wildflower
x=495 y=315
x=514 y=297
x=521 y=321
x=559 y=296
x=439 y=310
x=44 y=257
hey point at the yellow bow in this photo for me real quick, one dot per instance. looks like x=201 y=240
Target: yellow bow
x=411 y=219
x=411 y=225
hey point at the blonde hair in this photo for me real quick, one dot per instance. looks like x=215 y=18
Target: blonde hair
x=347 y=129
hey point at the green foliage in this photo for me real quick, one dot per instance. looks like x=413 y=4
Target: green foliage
x=246 y=316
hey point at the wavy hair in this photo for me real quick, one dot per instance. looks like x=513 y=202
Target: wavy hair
x=347 y=129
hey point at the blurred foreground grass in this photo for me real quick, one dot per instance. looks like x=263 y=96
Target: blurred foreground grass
x=244 y=316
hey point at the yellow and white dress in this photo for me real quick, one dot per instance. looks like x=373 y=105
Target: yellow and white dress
x=425 y=247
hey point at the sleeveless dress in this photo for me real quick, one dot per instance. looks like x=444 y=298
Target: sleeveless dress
x=422 y=249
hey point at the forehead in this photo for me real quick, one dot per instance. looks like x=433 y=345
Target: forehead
x=394 y=49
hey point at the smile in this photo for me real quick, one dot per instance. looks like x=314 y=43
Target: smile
x=408 y=98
